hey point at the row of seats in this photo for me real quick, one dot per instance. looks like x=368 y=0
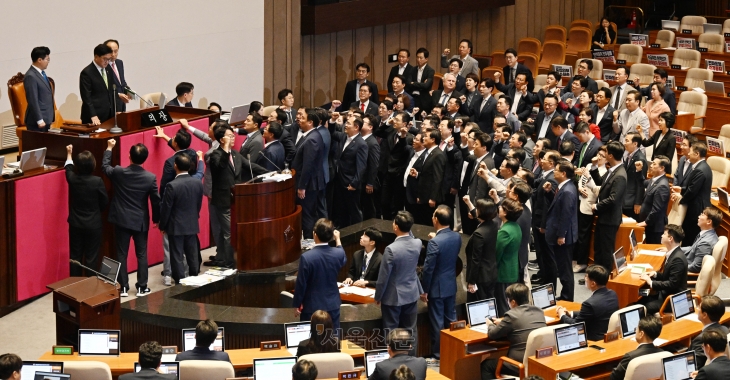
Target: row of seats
x=696 y=24
x=713 y=42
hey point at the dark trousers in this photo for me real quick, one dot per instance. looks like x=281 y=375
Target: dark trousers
x=215 y=226
x=629 y=211
x=367 y=204
x=122 y=236
x=653 y=304
x=653 y=237
x=501 y=298
x=309 y=211
x=324 y=203
x=468 y=225
x=489 y=368
x=393 y=196
x=540 y=249
x=84 y=247
x=441 y=312
x=224 y=248
x=484 y=291
x=691 y=230
x=583 y=246
x=403 y=316
x=604 y=239
x=183 y=245
x=413 y=208
x=424 y=214
x=561 y=259
x=334 y=314
x=347 y=211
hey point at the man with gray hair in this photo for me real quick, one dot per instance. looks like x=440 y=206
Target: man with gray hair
x=441 y=97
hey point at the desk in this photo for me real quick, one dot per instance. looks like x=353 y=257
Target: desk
x=622 y=237
x=430 y=375
x=457 y=363
x=627 y=285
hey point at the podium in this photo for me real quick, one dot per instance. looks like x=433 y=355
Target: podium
x=84 y=303
x=266 y=224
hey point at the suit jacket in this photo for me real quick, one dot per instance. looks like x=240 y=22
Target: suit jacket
x=438 y=277
x=225 y=175
x=276 y=153
x=394 y=155
x=635 y=180
x=469 y=64
x=175 y=102
x=316 y=286
x=351 y=95
x=384 y=368
x=423 y=87
x=371 y=109
x=147 y=374
x=718 y=369
x=568 y=136
x=253 y=145
x=350 y=162
x=436 y=97
x=520 y=69
x=591 y=151
x=202 y=353
x=592 y=85
x=481 y=254
x=622 y=100
x=460 y=84
x=667 y=146
x=516 y=326
x=524 y=107
x=610 y=196
x=654 y=205
x=371 y=272
x=121 y=82
x=132 y=186
x=87 y=199
x=398 y=283
x=452 y=169
x=605 y=124
x=673 y=279
x=679 y=175
x=595 y=312
x=286 y=141
x=539 y=201
x=39 y=95
x=701 y=247
x=308 y=161
x=525 y=223
x=96 y=96
x=474 y=185
x=561 y=219
x=696 y=345
x=696 y=189
x=407 y=73
x=483 y=116
x=180 y=208
x=430 y=178
x=668 y=97
x=412 y=182
x=328 y=166
x=619 y=373
x=370 y=177
x=168 y=169
x=627 y=122
x=546 y=131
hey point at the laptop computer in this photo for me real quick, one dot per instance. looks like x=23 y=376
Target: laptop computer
x=630 y=320
x=679 y=367
x=712 y=87
x=634 y=244
x=619 y=260
x=372 y=358
x=273 y=368
x=724 y=199
x=670 y=25
x=170 y=368
x=50 y=376
x=109 y=270
x=543 y=296
x=682 y=304
x=30 y=159
x=712 y=28
x=239 y=113
x=30 y=368
x=294 y=333
x=163 y=101
x=571 y=338
x=99 y=342
x=477 y=313
x=189 y=340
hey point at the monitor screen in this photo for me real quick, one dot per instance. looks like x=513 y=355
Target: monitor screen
x=543 y=296
x=372 y=358
x=296 y=332
x=619 y=260
x=630 y=320
x=570 y=338
x=679 y=367
x=478 y=311
x=682 y=304
x=632 y=238
x=31 y=367
x=189 y=340
x=273 y=368
x=50 y=376
x=99 y=342
x=109 y=269
x=171 y=368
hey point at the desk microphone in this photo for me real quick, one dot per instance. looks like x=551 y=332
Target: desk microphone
x=261 y=154
x=115 y=128
x=72 y=261
x=250 y=168
x=129 y=90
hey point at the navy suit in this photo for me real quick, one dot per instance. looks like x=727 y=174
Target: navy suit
x=179 y=214
x=654 y=208
x=483 y=116
x=96 y=96
x=350 y=163
x=168 y=169
x=39 y=96
x=561 y=221
x=351 y=95
x=370 y=178
x=275 y=153
x=718 y=369
x=696 y=195
x=595 y=312
x=316 y=286
x=202 y=353
x=438 y=280
x=567 y=136
x=324 y=198
x=309 y=177
x=121 y=82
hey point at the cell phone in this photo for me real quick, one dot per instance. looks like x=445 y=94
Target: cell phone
x=596 y=347
x=644 y=292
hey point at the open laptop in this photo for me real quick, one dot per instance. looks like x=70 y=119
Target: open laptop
x=478 y=311
x=571 y=338
x=670 y=25
x=50 y=376
x=619 y=260
x=99 y=342
x=30 y=159
x=543 y=296
x=679 y=367
x=30 y=368
x=273 y=368
x=239 y=113
x=682 y=304
x=630 y=320
x=163 y=101
x=712 y=87
x=296 y=332
x=109 y=270
x=372 y=358
x=170 y=368
x=724 y=199
x=189 y=340
x=712 y=28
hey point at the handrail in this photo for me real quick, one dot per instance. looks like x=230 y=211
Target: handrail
x=639 y=28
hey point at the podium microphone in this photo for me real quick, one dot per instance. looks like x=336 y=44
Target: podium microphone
x=250 y=168
x=72 y=261
x=115 y=128
x=261 y=154
x=129 y=90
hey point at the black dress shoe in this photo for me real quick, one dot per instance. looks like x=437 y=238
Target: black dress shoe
x=213 y=258
x=213 y=263
x=230 y=265
x=582 y=281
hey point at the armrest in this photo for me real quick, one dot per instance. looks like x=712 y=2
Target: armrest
x=664 y=306
x=699 y=117
x=515 y=363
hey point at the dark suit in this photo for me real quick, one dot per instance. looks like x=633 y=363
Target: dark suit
x=253 y=145
x=96 y=96
x=276 y=156
x=679 y=175
x=179 y=214
x=372 y=270
x=525 y=223
x=130 y=214
x=483 y=116
x=310 y=177
x=696 y=345
x=175 y=102
x=411 y=182
x=147 y=374
x=567 y=136
x=386 y=367
x=605 y=124
x=430 y=180
x=520 y=70
x=316 y=286
x=407 y=73
x=460 y=84
x=634 y=182
x=39 y=96
x=395 y=154
x=595 y=312
x=202 y=353
x=350 y=163
x=168 y=168
x=351 y=94
x=666 y=147
x=654 y=208
x=481 y=260
x=325 y=198
x=370 y=178
x=592 y=85
x=370 y=109
x=423 y=87
x=452 y=175
x=671 y=280
x=87 y=199
x=546 y=131
x=591 y=150
x=718 y=369
x=610 y=197
x=438 y=94
x=524 y=107
x=619 y=373
x=121 y=82
x=539 y=211
x=696 y=195
x=516 y=326
x=473 y=185
x=561 y=221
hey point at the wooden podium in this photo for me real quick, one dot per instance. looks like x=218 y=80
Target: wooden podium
x=84 y=303
x=266 y=224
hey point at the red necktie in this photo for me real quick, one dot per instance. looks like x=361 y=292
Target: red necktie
x=114 y=67
x=362 y=107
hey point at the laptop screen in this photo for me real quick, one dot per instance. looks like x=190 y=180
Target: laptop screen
x=619 y=260
x=679 y=367
x=50 y=376
x=478 y=311
x=109 y=269
x=630 y=320
x=99 y=342
x=372 y=358
x=30 y=368
x=682 y=304
x=632 y=238
x=543 y=296
x=296 y=332
x=170 y=368
x=723 y=195
x=273 y=368
x=571 y=338
x=189 y=340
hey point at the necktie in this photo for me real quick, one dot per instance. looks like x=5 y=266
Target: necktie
x=443 y=99
x=560 y=141
x=442 y=145
x=512 y=75
x=423 y=156
x=114 y=67
x=45 y=77
x=362 y=107
x=582 y=153
x=618 y=98
x=103 y=76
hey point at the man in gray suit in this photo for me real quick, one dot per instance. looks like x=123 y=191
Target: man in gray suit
x=399 y=343
x=398 y=287
x=254 y=143
x=621 y=89
x=38 y=92
x=470 y=64
x=625 y=122
x=516 y=326
x=705 y=240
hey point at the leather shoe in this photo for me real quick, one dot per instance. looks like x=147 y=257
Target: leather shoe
x=213 y=263
x=582 y=281
x=230 y=265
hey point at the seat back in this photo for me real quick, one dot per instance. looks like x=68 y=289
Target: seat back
x=726 y=26
x=579 y=39
x=540 y=338
x=693 y=23
x=718 y=252
x=437 y=77
x=704 y=280
x=555 y=33
x=87 y=370
x=530 y=61
x=498 y=59
x=725 y=135
x=694 y=102
x=553 y=53
x=601 y=84
x=153 y=97
x=720 y=170
x=205 y=369
x=630 y=53
x=329 y=364
x=488 y=72
x=16 y=94
x=676 y=212
x=529 y=45
x=540 y=81
x=686 y=57
x=647 y=366
x=644 y=71
x=713 y=42
x=596 y=73
x=483 y=60
x=696 y=77
x=614 y=323
x=665 y=39
x=268 y=110
x=582 y=23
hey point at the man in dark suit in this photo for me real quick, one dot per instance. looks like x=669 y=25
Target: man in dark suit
x=585 y=66
x=396 y=150
x=481 y=254
x=350 y=161
x=371 y=189
x=454 y=162
x=316 y=286
x=254 y=143
x=597 y=309
x=438 y=277
x=484 y=107
x=513 y=68
x=421 y=80
x=185 y=92
x=273 y=156
x=545 y=117
x=40 y=113
x=205 y=334
x=473 y=185
x=709 y=312
x=325 y=203
x=441 y=97
x=410 y=182
x=715 y=345
x=522 y=100
x=117 y=68
x=95 y=86
x=683 y=165
x=365 y=264
x=649 y=328
x=603 y=114
x=179 y=214
x=430 y=178
x=130 y=213
x=308 y=165
x=352 y=88
x=150 y=356
x=286 y=138
x=695 y=190
x=365 y=103
x=400 y=342
x=87 y=199
x=560 y=133
x=515 y=326
x=653 y=213
x=634 y=179
x=589 y=142
x=399 y=88
x=553 y=79
x=540 y=206
x=402 y=68
x=673 y=278
x=610 y=198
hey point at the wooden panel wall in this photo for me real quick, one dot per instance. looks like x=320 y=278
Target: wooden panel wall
x=317 y=67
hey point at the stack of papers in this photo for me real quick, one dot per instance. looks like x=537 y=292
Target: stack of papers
x=650 y=252
x=221 y=272
x=659 y=341
x=628 y=220
x=200 y=280
x=358 y=291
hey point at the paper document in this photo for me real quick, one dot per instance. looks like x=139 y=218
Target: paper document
x=549 y=319
x=659 y=341
x=481 y=328
x=692 y=317
x=628 y=220
x=650 y=252
x=200 y=280
x=356 y=290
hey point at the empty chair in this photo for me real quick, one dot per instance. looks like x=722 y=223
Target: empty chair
x=87 y=370
x=693 y=23
x=687 y=58
x=644 y=71
x=676 y=212
x=205 y=369
x=724 y=133
x=647 y=366
x=437 y=77
x=718 y=252
x=579 y=39
x=553 y=53
x=630 y=53
x=703 y=285
x=541 y=80
x=696 y=103
x=713 y=42
x=555 y=33
x=614 y=323
x=483 y=60
x=720 y=170
x=530 y=61
x=529 y=45
x=329 y=364
x=498 y=59
x=596 y=73
x=582 y=23
x=665 y=39
x=696 y=77
x=488 y=72
x=153 y=98
x=726 y=26
x=539 y=338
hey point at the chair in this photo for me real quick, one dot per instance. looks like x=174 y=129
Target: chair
x=582 y=23
x=488 y=72
x=205 y=369
x=647 y=366
x=713 y=42
x=725 y=135
x=614 y=323
x=696 y=77
x=153 y=97
x=676 y=212
x=529 y=45
x=596 y=73
x=268 y=110
x=601 y=84
x=720 y=170
x=285 y=299
x=665 y=39
x=541 y=80
x=693 y=23
x=703 y=284
x=555 y=33
x=644 y=71
x=87 y=370
x=483 y=60
x=329 y=364
x=437 y=77
x=553 y=53
x=630 y=53
x=579 y=39
x=696 y=103
x=530 y=61
x=687 y=58
x=718 y=252
x=726 y=27
x=538 y=338
x=498 y=59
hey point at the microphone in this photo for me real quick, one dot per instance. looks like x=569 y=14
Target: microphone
x=129 y=90
x=261 y=154
x=250 y=168
x=115 y=128
x=72 y=261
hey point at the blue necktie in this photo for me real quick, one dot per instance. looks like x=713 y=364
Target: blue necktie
x=45 y=77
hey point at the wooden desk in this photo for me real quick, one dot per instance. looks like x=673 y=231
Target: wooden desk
x=627 y=285
x=458 y=364
x=430 y=375
x=622 y=238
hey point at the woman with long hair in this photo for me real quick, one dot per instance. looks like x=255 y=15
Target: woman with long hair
x=604 y=35
x=323 y=338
